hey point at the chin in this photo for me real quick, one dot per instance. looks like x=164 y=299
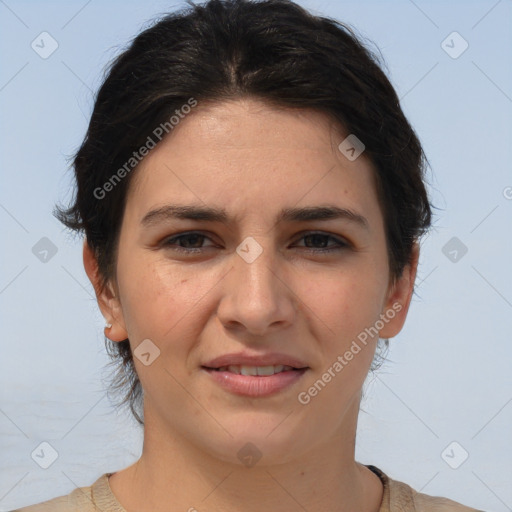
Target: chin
x=260 y=439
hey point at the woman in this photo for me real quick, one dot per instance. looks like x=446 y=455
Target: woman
x=252 y=199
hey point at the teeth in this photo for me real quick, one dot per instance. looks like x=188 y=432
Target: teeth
x=255 y=370
x=250 y=370
x=266 y=370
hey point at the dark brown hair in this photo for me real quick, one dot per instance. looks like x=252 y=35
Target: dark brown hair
x=273 y=50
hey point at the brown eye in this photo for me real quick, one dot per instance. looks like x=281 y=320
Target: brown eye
x=322 y=240
x=186 y=242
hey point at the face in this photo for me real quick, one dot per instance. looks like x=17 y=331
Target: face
x=304 y=290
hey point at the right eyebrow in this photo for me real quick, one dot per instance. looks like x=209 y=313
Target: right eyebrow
x=191 y=212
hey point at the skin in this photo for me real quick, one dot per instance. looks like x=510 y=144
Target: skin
x=252 y=159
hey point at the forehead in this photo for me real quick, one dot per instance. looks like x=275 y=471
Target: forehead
x=243 y=152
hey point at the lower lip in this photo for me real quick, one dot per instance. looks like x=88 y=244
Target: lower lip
x=256 y=386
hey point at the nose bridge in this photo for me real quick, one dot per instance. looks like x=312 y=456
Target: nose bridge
x=255 y=266
x=254 y=295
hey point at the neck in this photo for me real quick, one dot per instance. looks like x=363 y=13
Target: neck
x=176 y=473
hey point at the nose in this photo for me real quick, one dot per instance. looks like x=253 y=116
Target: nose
x=257 y=296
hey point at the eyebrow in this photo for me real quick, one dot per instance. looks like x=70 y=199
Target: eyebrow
x=212 y=214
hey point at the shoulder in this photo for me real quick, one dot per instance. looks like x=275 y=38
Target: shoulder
x=404 y=495
x=60 y=504
x=82 y=499
x=400 y=497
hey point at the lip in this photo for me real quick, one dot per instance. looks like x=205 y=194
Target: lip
x=246 y=359
x=255 y=385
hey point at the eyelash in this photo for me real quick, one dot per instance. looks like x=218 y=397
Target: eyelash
x=169 y=242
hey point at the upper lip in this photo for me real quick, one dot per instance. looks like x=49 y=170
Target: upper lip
x=245 y=359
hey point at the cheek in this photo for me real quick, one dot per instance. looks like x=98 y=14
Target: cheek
x=160 y=300
x=344 y=308
x=345 y=302
x=149 y=296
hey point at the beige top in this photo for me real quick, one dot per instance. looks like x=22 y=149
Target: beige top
x=397 y=497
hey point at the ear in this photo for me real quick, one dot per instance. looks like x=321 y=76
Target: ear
x=108 y=302
x=399 y=297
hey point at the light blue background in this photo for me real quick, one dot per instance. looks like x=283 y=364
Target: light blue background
x=448 y=375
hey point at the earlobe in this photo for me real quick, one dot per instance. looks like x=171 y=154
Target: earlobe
x=108 y=302
x=399 y=297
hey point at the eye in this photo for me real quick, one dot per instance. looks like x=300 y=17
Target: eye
x=192 y=242
x=322 y=239
x=186 y=240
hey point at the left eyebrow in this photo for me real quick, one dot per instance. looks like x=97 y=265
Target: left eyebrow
x=211 y=214
x=309 y=213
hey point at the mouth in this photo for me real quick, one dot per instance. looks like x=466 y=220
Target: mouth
x=255 y=381
x=255 y=371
